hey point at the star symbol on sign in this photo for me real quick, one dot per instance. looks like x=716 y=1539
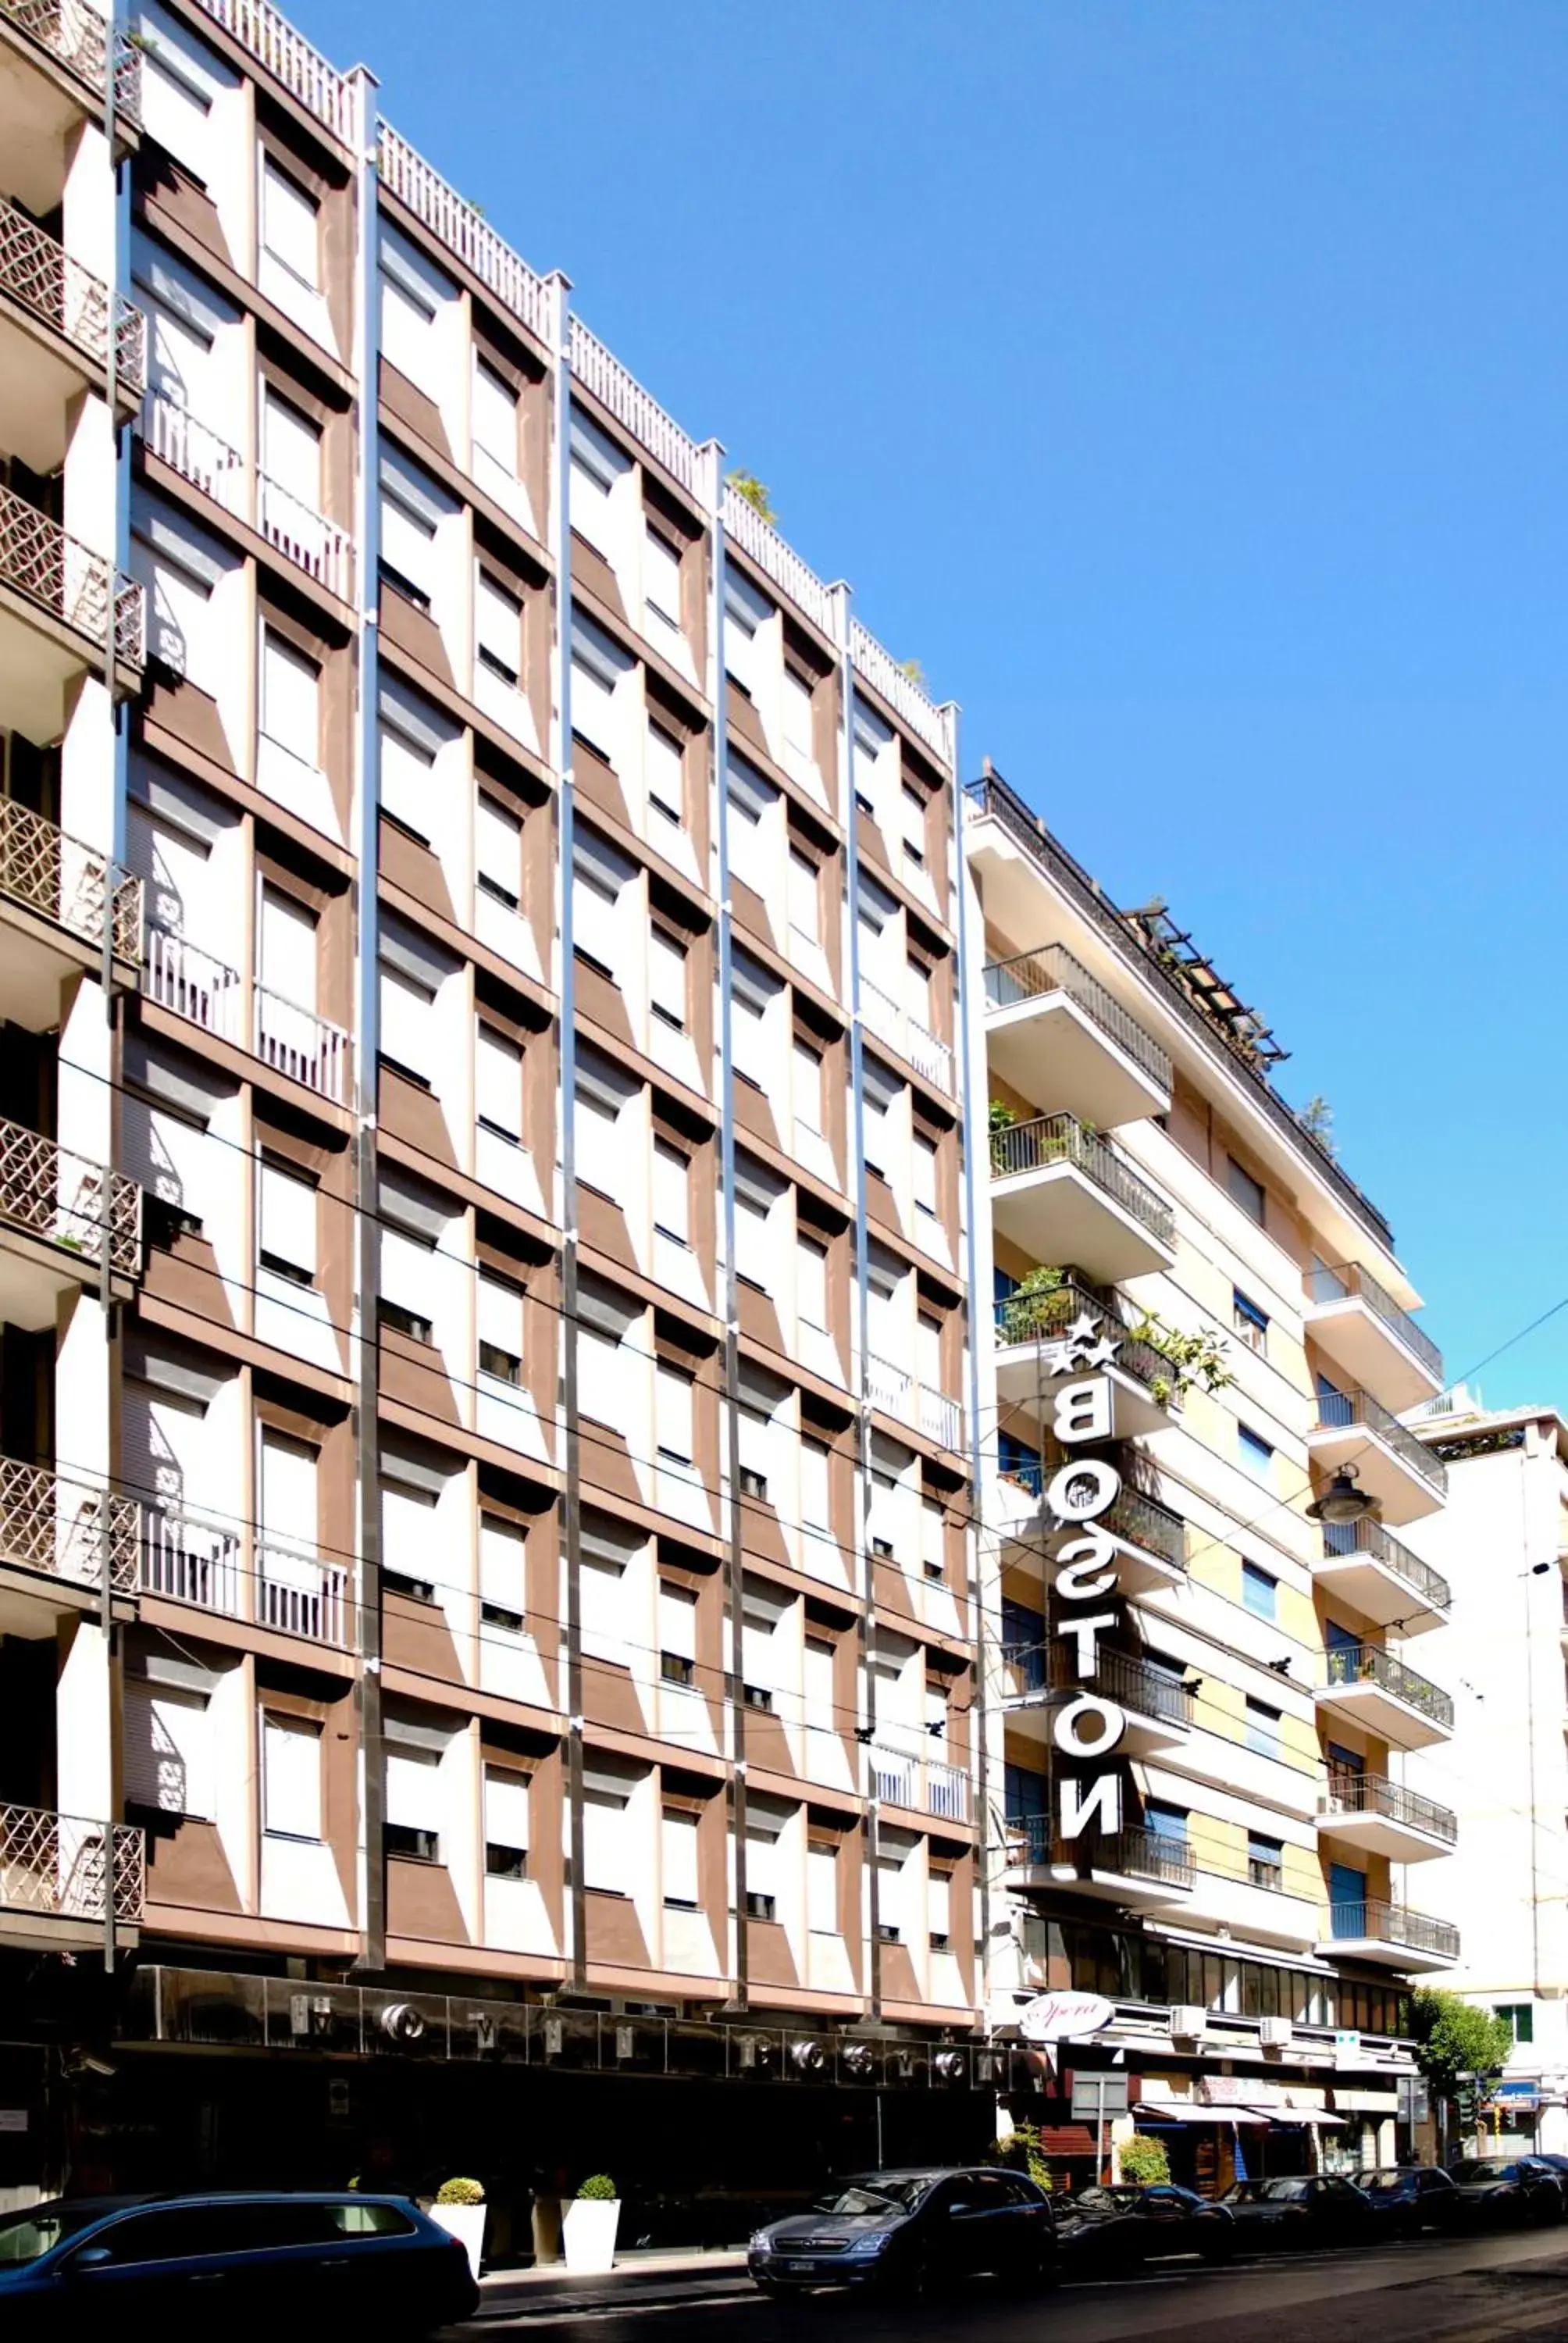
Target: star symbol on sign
x=1082 y=1328
x=1101 y=1353
x=1056 y=1358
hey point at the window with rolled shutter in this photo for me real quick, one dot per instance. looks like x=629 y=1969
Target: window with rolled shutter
x=407 y=1285
x=407 y=1023
x=503 y=1570
x=505 y=1823
x=413 y=1809
x=290 y=1776
x=288 y=938
x=407 y=781
x=408 y=1541
x=663 y=772
x=500 y=1329
x=666 y=979
x=678 y=1833
x=800 y=745
x=611 y=1857
x=497 y=630
x=290 y=225
x=940 y=1909
x=672 y=1191
x=286 y=1231
x=495 y=420
x=498 y=1083
x=677 y=1632
x=808 y=1090
x=168 y=1749
x=822 y=1886
x=498 y=852
x=288 y=1469
x=290 y=704
x=662 y=579
x=811 y=1282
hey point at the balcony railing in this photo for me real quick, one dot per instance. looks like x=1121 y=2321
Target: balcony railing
x=59 y=576
x=38 y=273
x=194 y=450
x=1029 y=976
x=1131 y=1854
x=601 y=372
x=1025 y=1319
x=1391 y=1924
x=52 y=1522
x=1353 y=1664
x=1373 y=1794
x=1129 y=1682
x=68 y=1200
x=456 y=222
x=295 y=1042
x=1050 y=1139
x=299 y=1595
x=55 y=1865
x=898 y=1393
x=902 y=1778
x=286 y=54
x=901 y=1031
x=191 y=1560
x=1350 y=1279
x=1369 y=1537
x=78 y=38
x=898 y=687
x=1340 y=1411
x=782 y=563
x=1135 y=1517
x=61 y=880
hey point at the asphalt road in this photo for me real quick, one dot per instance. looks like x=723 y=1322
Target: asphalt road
x=1470 y=2291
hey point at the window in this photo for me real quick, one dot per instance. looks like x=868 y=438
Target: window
x=661 y=580
x=799 y=747
x=290 y=225
x=1256 y=1453
x=677 y=1854
x=1260 y=1591
x=500 y=1329
x=168 y=1757
x=1244 y=1191
x=664 y=771
x=1520 y=2016
x=408 y=1535
x=816 y=1497
x=498 y=1084
x=939 y=1910
x=497 y=630
x=287 y=948
x=1166 y=1822
x=676 y=1633
x=804 y=919
x=407 y=778
x=672 y=1191
x=407 y=1027
x=597 y=466
x=746 y=612
x=609 y=1858
x=811 y=1282
x=291 y=450
x=290 y=1776
x=495 y=420
x=505 y=1823
x=1262 y=1728
x=503 y=1572
x=672 y=1409
x=498 y=853
x=410 y=296
x=1251 y=1323
x=286 y=1231
x=290 y=698
x=750 y=799
x=762 y=1865
x=1265 y=1861
x=599 y=877
x=925 y=1162
x=807 y=1099
x=602 y=1093
x=913 y=808
x=666 y=979
x=405 y=1299
x=413 y=1811
x=822 y=1886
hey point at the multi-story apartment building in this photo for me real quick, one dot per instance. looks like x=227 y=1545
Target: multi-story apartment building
x=1502 y=1543
x=486 y=1394
x=1161 y=1223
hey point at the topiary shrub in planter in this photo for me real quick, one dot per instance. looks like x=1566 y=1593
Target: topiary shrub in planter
x=1144 y=2161
x=459 y=2207
x=590 y=2224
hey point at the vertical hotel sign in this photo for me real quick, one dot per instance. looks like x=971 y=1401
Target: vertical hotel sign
x=1086 y=1727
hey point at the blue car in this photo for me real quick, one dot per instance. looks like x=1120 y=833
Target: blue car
x=222 y=2267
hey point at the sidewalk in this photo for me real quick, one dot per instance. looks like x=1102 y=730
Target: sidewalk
x=645 y=2278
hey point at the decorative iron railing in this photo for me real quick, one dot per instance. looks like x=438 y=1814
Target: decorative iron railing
x=58 y=876
x=40 y=274
x=1031 y=975
x=57 y=1865
x=1050 y=1139
x=59 y=576
x=53 y=1523
x=78 y=38
x=1029 y=1318
x=1131 y=1854
x=67 y=1200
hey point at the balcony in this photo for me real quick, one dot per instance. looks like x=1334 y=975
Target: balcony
x=1383 y=1817
x=930 y=1413
x=1366 y=1687
x=1386 y=1933
x=1029 y=1324
x=293 y=530
x=1134 y=1867
x=52 y=906
x=297 y=1593
x=294 y=1042
x=1060 y=1192
x=896 y=1777
x=57 y=1532
x=187 y=1556
x=1055 y=1033
x=1391 y=1464
x=57 y=1214
x=58 y=603
x=55 y=56
x=887 y=1022
x=1150 y=1541
x=54 y=342
x=1158 y=1706
x=1360 y=1327
x=54 y=1878
x=1366 y=1568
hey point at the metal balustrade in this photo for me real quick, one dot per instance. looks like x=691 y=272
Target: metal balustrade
x=308 y=1048
x=288 y=57
x=1050 y=1139
x=37 y=271
x=48 y=871
x=61 y=577
x=52 y=1523
x=57 y=1865
x=901 y=1777
x=1131 y=1854
x=292 y=528
x=1349 y=1281
x=299 y=1595
x=1374 y=1793
x=1129 y=1681
x=898 y=1392
x=1369 y=1537
x=1132 y=1516
x=1380 y=1922
x=1342 y=1411
x=67 y=1200
x=304 y=537
x=1025 y=1319
x=189 y=1559
x=295 y=1042
x=893 y=1024
x=1352 y=1664
x=182 y=977
x=1032 y=975
x=78 y=38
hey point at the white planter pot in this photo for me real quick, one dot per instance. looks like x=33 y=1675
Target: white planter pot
x=589 y=2228
x=467 y=2223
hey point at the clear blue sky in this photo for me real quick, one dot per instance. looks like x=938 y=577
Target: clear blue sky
x=1185 y=384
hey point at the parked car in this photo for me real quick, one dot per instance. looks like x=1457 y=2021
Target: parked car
x=903 y=2231
x=229 y=2265
x=1553 y=2163
x=1110 y=2227
x=1513 y=2190
x=1311 y=2209
x=1410 y=2197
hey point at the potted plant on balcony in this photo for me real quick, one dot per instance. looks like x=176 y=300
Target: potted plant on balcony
x=1197 y=1358
x=589 y=2228
x=459 y=2207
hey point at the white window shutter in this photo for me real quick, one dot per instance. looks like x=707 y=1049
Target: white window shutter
x=412 y=1789
x=503 y=1563
x=287 y=1219
x=506 y=1807
x=290 y=1776
x=678 y=1857
x=290 y=698
x=499 y=1082
x=289 y=941
x=672 y=1191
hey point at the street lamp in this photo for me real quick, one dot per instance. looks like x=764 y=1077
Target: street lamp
x=1342 y=1502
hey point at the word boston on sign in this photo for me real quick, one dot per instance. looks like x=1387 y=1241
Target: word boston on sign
x=1079 y=1494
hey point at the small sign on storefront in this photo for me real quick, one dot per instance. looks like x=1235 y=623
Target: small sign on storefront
x=13 y=2118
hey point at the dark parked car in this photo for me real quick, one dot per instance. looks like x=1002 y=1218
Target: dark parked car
x=228 y=2266
x=1518 y=2190
x=902 y=2231
x=1557 y=2164
x=1110 y=2227
x=1313 y=2209
x=1410 y=2197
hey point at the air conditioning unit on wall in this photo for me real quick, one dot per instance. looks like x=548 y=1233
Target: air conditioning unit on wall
x=1274 y=2033
x=1187 y=2024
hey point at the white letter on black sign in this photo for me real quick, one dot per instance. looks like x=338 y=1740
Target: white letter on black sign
x=1109 y=1725
x=1086 y=1630
x=1083 y=1410
x=1103 y=1798
x=1087 y=1568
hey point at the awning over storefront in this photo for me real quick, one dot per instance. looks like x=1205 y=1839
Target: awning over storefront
x=1174 y=2111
